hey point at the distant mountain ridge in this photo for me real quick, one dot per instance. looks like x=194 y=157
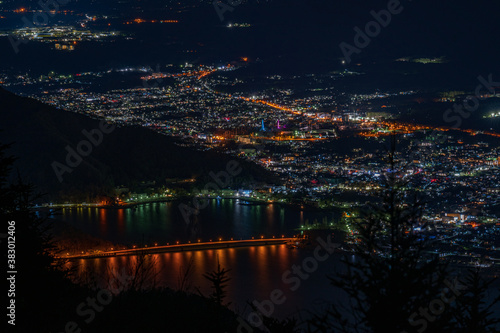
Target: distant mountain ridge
x=126 y=156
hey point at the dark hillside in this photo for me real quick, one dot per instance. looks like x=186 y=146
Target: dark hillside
x=127 y=156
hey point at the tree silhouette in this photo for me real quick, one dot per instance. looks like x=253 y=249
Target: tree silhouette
x=219 y=280
x=473 y=313
x=388 y=278
x=41 y=282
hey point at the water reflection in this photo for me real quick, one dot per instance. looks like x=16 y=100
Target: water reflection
x=163 y=222
x=255 y=273
x=103 y=227
x=121 y=221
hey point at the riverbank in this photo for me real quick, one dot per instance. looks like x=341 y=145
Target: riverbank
x=249 y=201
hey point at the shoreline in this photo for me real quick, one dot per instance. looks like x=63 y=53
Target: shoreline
x=250 y=202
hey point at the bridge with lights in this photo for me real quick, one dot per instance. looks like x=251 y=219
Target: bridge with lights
x=199 y=246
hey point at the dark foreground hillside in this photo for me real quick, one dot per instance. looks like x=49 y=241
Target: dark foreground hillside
x=127 y=155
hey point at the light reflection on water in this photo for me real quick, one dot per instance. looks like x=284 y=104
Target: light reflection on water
x=255 y=272
x=163 y=222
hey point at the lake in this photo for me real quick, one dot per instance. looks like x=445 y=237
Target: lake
x=254 y=271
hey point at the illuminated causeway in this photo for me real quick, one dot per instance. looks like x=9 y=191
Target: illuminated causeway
x=186 y=247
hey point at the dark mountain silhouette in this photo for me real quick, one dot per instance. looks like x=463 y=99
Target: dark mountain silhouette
x=127 y=156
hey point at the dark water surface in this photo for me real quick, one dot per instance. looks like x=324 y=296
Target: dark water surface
x=255 y=271
x=163 y=222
